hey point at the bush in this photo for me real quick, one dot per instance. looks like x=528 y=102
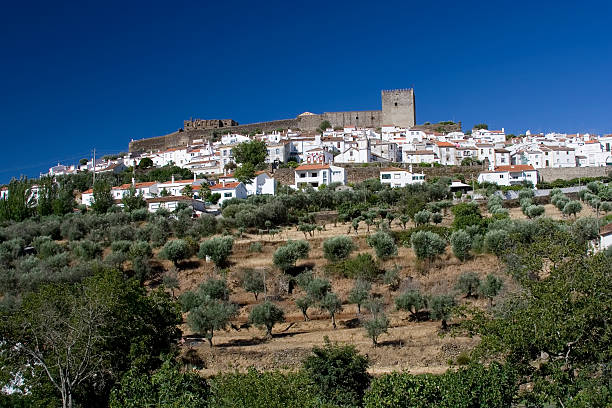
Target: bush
x=383 y=244
x=266 y=315
x=363 y=266
x=338 y=373
x=427 y=245
x=490 y=287
x=461 y=243
x=214 y=289
x=121 y=246
x=338 y=248
x=218 y=249
x=585 y=229
x=533 y=211
x=441 y=308
x=411 y=301
x=86 y=250
x=422 y=217
x=255 y=247
x=253 y=282
x=466 y=214
x=496 y=242
x=376 y=326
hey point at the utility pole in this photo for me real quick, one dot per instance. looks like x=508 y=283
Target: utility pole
x=94 y=165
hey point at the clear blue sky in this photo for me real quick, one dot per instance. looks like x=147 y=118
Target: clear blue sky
x=78 y=75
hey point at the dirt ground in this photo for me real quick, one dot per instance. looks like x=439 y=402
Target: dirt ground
x=418 y=347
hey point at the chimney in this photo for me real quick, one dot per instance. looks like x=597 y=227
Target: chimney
x=223 y=182
x=173 y=179
x=194 y=177
x=133 y=182
x=410 y=168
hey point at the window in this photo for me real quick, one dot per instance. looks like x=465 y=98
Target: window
x=302 y=175
x=277 y=151
x=386 y=176
x=395 y=103
x=396 y=176
x=313 y=174
x=227 y=194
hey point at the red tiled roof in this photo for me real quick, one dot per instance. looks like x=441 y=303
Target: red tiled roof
x=606 y=230
x=312 y=167
x=515 y=167
x=445 y=144
x=225 y=186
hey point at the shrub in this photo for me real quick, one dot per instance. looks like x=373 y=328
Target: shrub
x=496 y=242
x=86 y=250
x=427 y=245
x=533 y=211
x=218 y=249
x=466 y=214
x=287 y=255
x=140 y=249
x=383 y=244
x=376 y=326
x=121 y=246
x=461 y=243
x=255 y=247
x=140 y=214
x=266 y=315
x=585 y=229
x=422 y=217
x=48 y=248
x=253 y=282
x=338 y=373
x=338 y=248
x=490 y=287
x=436 y=218
x=214 y=289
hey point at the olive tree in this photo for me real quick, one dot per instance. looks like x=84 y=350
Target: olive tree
x=253 y=282
x=572 y=208
x=287 y=255
x=468 y=283
x=359 y=293
x=411 y=301
x=422 y=217
x=332 y=304
x=442 y=308
x=461 y=243
x=376 y=326
x=338 y=248
x=209 y=316
x=218 y=249
x=383 y=244
x=490 y=287
x=427 y=245
x=304 y=303
x=585 y=229
x=176 y=251
x=266 y=315
x=496 y=242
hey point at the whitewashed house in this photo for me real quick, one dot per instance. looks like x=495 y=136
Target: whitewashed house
x=396 y=177
x=446 y=152
x=262 y=183
x=605 y=237
x=419 y=156
x=229 y=190
x=315 y=175
x=510 y=175
x=318 y=156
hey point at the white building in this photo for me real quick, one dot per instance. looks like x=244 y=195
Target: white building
x=510 y=175
x=605 y=237
x=558 y=156
x=318 y=156
x=316 y=175
x=229 y=190
x=419 y=156
x=278 y=152
x=446 y=152
x=262 y=183
x=396 y=177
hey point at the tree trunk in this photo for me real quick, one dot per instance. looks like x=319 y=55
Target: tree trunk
x=490 y=302
x=210 y=339
x=444 y=325
x=256 y=294
x=358 y=308
x=333 y=316
x=269 y=332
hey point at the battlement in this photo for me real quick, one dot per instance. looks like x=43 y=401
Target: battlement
x=204 y=124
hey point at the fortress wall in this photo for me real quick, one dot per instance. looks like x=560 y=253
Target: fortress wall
x=568 y=173
x=354 y=118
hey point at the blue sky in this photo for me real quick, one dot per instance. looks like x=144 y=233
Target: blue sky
x=79 y=75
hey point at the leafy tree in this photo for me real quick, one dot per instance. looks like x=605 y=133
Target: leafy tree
x=411 y=301
x=318 y=288
x=209 y=316
x=461 y=243
x=324 y=126
x=436 y=218
x=245 y=173
x=572 y=208
x=376 y=326
x=490 y=287
x=170 y=281
x=359 y=293
x=338 y=248
x=332 y=304
x=287 y=255
x=214 y=289
x=218 y=249
x=466 y=214
x=422 y=217
x=442 y=308
x=79 y=338
x=427 y=245
x=133 y=200
x=339 y=373
x=468 y=282
x=187 y=191
x=176 y=251
x=83 y=161
x=585 y=229
x=102 y=197
x=383 y=244
x=253 y=152
x=534 y=211
x=304 y=303
x=266 y=314
x=496 y=242
x=17 y=206
x=253 y=282
x=481 y=126
x=167 y=387
x=145 y=163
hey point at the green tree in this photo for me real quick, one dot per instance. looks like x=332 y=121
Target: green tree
x=211 y=315
x=585 y=229
x=253 y=152
x=490 y=287
x=338 y=248
x=218 y=249
x=18 y=204
x=253 y=282
x=317 y=288
x=287 y=255
x=383 y=244
x=461 y=243
x=176 y=251
x=133 y=200
x=102 y=197
x=245 y=173
x=332 y=304
x=496 y=242
x=359 y=293
x=481 y=126
x=422 y=217
x=324 y=126
x=411 y=301
x=145 y=163
x=468 y=283
x=187 y=191
x=304 y=303
x=572 y=208
x=266 y=315
x=376 y=326
x=339 y=374
x=427 y=245
x=442 y=308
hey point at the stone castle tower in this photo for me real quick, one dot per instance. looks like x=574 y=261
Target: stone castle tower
x=398 y=108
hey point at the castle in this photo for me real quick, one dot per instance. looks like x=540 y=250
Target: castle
x=398 y=109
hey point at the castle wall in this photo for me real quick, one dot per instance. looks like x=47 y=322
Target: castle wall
x=398 y=107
